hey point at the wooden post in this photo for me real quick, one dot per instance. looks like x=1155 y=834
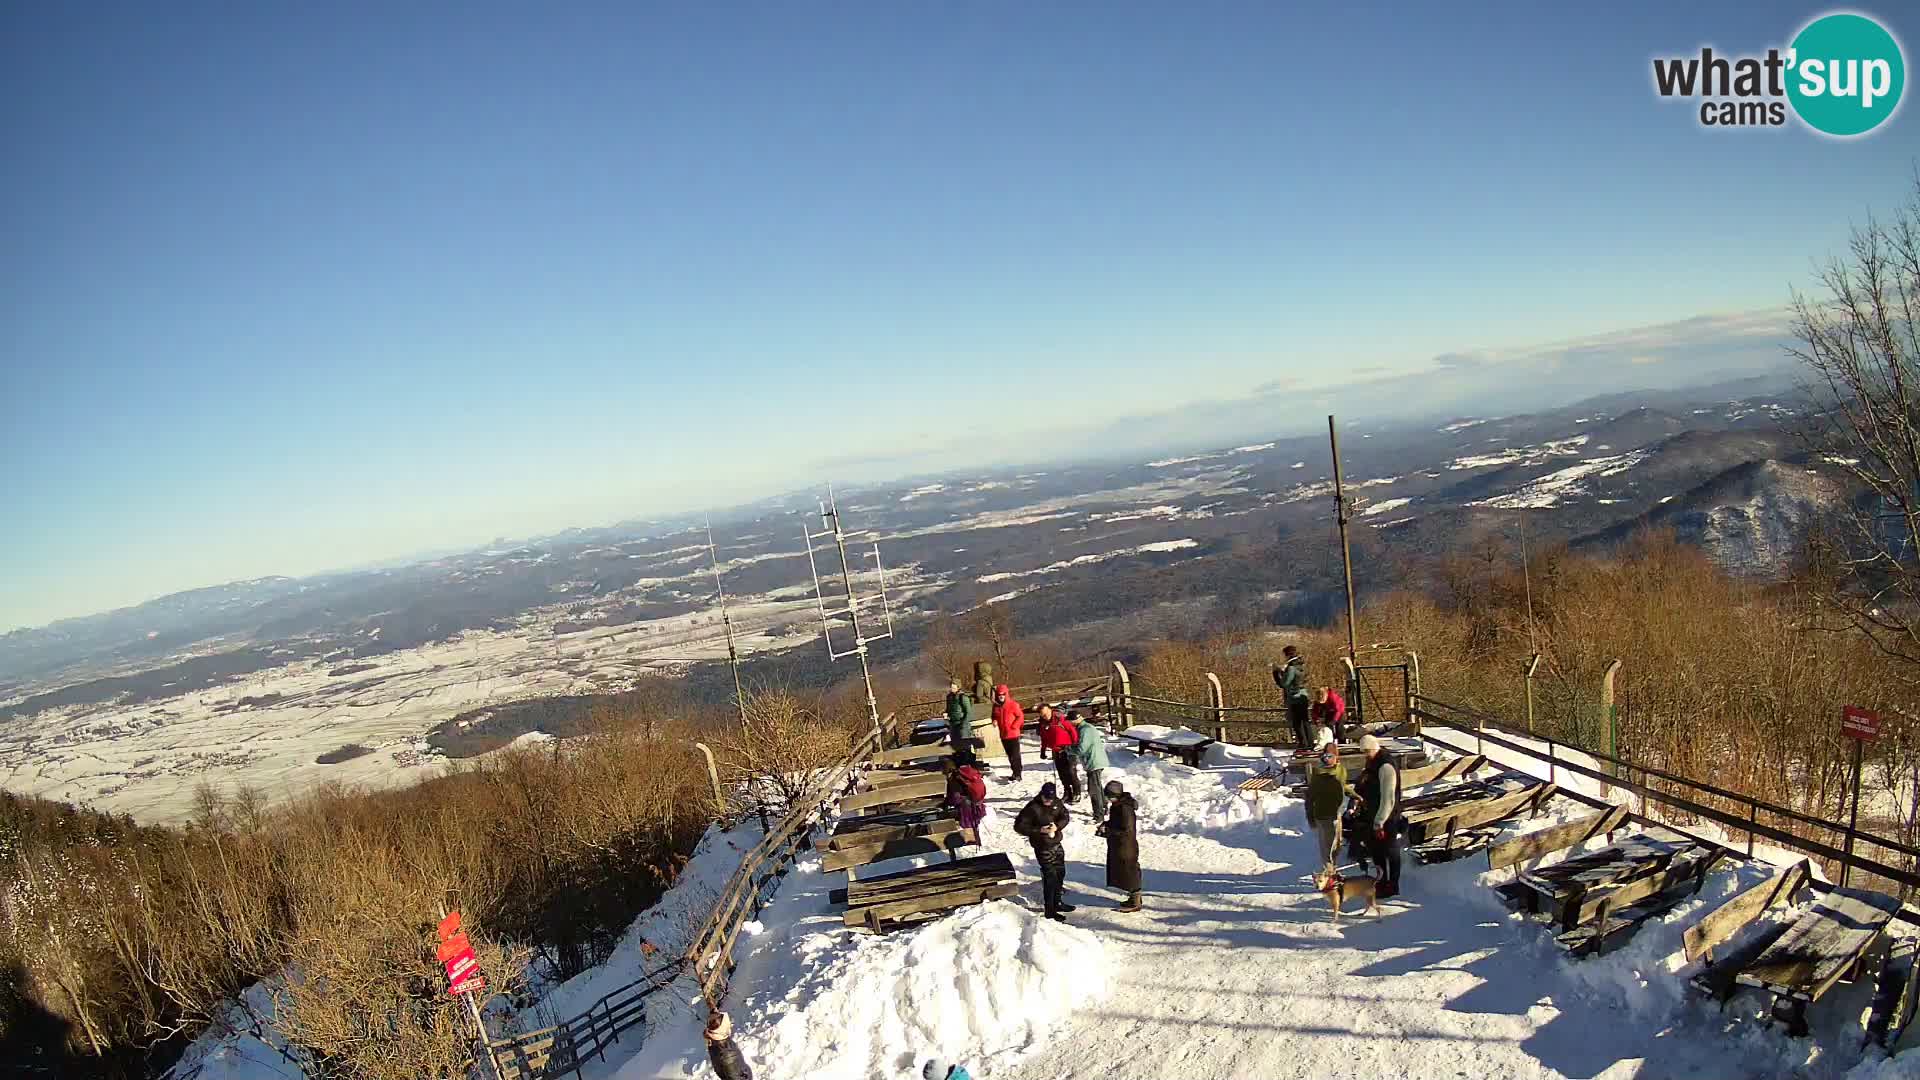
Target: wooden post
x=713 y=777
x=1607 y=715
x=1217 y=701
x=1120 y=692
x=1753 y=817
x=1853 y=817
x=1341 y=516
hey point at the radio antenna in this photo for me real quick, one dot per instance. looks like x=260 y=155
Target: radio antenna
x=726 y=621
x=831 y=525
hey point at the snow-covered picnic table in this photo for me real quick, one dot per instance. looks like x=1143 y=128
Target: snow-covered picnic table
x=1180 y=743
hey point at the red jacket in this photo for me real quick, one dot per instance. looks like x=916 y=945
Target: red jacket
x=1008 y=716
x=967 y=781
x=1331 y=713
x=1057 y=734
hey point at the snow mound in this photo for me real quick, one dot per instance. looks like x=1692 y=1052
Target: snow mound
x=984 y=985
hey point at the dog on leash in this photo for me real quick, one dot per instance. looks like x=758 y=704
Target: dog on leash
x=1338 y=889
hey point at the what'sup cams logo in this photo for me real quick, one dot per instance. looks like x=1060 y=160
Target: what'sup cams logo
x=1842 y=76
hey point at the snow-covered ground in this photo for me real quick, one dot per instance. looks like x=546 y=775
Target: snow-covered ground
x=1234 y=970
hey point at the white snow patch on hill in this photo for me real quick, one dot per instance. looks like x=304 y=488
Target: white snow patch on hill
x=1550 y=489
x=1083 y=560
x=1521 y=455
x=1384 y=507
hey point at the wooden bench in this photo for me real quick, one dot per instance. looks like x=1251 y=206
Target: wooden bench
x=1448 y=823
x=1185 y=745
x=1703 y=937
x=1408 y=754
x=931 y=785
x=926 y=892
x=1546 y=841
x=1433 y=773
x=1828 y=943
x=1563 y=888
x=946 y=842
x=880 y=828
x=1894 y=996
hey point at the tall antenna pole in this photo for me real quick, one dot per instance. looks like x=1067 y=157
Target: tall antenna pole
x=1346 y=551
x=830 y=520
x=726 y=621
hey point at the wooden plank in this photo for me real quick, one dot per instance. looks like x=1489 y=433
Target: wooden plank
x=928 y=904
x=1446 y=847
x=1822 y=944
x=1684 y=869
x=1549 y=840
x=903 y=848
x=919 y=788
x=883 y=780
x=1594 y=938
x=991 y=864
x=1730 y=917
x=905 y=755
x=1721 y=978
x=883 y=828
x=1467 y=805
x=1441 y=770
x=1629 y=860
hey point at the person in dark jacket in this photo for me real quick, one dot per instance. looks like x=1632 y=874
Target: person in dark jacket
x=1123 y=845
x=959 y=721
x=1291 y=678
x=1379 y=791
x=1042 y=822
x=725 y=1057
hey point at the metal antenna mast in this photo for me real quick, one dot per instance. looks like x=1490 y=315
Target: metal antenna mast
x=1341 y=513
x=726 y=621
x=830 y=522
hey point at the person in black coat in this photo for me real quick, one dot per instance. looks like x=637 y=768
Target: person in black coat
x=1042 y=822
x=1123 y=845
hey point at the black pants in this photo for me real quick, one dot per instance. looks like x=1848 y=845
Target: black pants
x=1053 y=875
x=1067 y=764
x=1012 y=747
x=1386 y=853
x=1302 y=726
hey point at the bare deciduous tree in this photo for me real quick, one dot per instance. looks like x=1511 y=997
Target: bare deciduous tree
x=1858 y=343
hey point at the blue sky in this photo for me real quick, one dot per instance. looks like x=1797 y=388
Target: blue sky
x=288 y=289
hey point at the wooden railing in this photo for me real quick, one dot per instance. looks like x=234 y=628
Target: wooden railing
x=1680 y=796
x=564 y=1046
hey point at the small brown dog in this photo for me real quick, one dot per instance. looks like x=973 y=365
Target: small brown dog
x=1338 y=890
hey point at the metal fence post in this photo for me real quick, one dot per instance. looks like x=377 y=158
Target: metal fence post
x=1753 y=817
x=1551 y=745
x=1217 y=701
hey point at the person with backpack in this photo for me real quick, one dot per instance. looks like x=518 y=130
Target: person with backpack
x=1379 y=791
x=1043 y=822
x=722 y=1052
x=1093 y=754
x=1010 y=720
x=959 y=721
x=1327 y=803
x=1060 y=740
x=1291 y=678
x=966 y=793
x=1123 y=845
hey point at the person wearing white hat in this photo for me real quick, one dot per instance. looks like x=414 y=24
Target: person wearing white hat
x=1379 y=792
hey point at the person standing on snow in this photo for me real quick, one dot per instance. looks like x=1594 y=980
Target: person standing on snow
x=936 y=1069
x=722 y=1053
x=959 y=721
x=1060 y=740
x=1042 y=822
x=1093 y=754
x=1011 y=720
x=1326 y=802
x=1123 y=845
x=966 y=793
x=1291 y=678
x=1329 y=709
x=1379 y=791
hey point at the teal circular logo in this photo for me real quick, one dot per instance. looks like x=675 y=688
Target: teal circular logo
x=1846 y=73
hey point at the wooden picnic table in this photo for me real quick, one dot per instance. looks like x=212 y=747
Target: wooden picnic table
x=1466 y=805
x=925 y=892
x=1188 y=746
x=1630 y=856
x=1829 y=940
x=1407 y=753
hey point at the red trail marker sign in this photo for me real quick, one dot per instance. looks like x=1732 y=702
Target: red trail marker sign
x=1859 y=723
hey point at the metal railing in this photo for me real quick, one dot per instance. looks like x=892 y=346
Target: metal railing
x=1682 y=796
x=562 y=1047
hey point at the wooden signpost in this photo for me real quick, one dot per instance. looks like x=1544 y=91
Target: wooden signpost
x=1863 y=727
x=464 y=978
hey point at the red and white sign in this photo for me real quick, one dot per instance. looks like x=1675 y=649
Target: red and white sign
x=456 y=952
x=1860 y=723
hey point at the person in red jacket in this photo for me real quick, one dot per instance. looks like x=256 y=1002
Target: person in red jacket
x=1329 y=709
x=1061 y=740
x=1011 y=719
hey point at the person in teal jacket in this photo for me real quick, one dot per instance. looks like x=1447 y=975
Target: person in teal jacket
x=936 y=1069
x=1093 y=753
x=960 y=721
